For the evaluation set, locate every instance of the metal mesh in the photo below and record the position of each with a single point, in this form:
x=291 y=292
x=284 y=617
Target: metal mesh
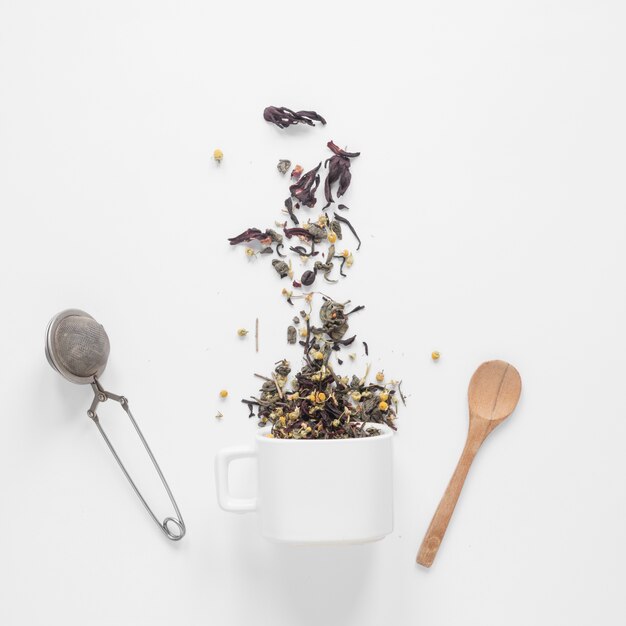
x=81 y=345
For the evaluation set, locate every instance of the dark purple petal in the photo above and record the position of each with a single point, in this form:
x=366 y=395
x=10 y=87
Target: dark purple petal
x=284 y=117
x=298 y=232
x=339 y=152
x=304 y=190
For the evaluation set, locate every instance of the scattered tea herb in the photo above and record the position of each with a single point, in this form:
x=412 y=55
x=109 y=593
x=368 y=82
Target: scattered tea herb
x=283 y=166
x=296 y=172
x=292 y=335
x=219 y=415
x=304 y=190
x=367 y=350
x=317 y=236
x=284 y=117
x=335 y=227
x=338 y=171
x=318 y=403
x=218 y=155
x=343 y=207
x=343 y=220
x=242 y=332
x=256 y=334
x=281 y=268
x=223 y=393
x=402 y=397
x=252 y=234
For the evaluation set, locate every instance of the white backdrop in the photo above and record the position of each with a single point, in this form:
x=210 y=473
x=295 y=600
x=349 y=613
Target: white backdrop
x=490 y=198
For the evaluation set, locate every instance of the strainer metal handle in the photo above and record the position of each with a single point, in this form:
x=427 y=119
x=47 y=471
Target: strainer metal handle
x=100 y=395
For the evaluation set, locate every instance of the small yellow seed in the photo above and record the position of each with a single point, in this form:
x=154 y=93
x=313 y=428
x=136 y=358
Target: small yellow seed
x=250 y=252
x=383 y=406
x=242 y=332
x=321 y=396
x=435 y=355
x=318 y=356
x=303 y=332
x=332 y=237
x=346 y=253
x=223 y=393
x=218 y=155
x=312 y=397
x=384 y=396
x=380 y=377
x=356 y=396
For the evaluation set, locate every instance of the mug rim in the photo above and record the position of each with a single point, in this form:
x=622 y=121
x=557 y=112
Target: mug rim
x=387 y=433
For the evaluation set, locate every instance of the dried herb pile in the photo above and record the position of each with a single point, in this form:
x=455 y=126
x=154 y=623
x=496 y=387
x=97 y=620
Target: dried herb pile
x=314 y=241
x=317 y=402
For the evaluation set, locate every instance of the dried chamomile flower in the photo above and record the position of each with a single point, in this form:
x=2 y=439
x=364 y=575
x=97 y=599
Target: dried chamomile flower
x=218 y=155
x=223 y=393
x=242 y=332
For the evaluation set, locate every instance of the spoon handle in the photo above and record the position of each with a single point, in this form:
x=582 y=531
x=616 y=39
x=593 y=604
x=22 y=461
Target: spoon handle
x=441 y=518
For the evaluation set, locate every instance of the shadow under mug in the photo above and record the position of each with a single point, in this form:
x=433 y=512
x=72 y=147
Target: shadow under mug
x=316 y=491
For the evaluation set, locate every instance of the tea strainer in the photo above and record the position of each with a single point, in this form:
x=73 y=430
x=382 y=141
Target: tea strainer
x=78 y=348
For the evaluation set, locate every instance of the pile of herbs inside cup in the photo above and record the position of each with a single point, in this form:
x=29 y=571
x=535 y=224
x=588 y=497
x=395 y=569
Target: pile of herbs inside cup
x=317 y=402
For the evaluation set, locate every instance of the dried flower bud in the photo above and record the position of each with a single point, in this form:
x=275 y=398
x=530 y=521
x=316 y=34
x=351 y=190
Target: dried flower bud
x=242 y=332
x=218 y=155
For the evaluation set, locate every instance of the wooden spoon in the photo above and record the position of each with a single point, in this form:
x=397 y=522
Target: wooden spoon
x=493 y=394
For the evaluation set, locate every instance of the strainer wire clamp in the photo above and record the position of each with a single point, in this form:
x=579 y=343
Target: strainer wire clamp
x=100 y=395
x=78 y=348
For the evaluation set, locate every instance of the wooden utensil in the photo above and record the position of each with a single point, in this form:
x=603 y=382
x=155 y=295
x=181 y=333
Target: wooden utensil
x=493 y=393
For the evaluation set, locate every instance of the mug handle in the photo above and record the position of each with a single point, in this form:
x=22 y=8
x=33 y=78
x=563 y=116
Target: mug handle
x=224 y=498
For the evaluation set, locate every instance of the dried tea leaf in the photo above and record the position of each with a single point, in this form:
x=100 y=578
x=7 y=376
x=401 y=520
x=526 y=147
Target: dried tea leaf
x=283 y=166
x=292 y=335
x=281 y=267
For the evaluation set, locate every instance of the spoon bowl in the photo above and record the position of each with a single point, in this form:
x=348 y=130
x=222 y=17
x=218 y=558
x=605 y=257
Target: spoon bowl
x=494 y=391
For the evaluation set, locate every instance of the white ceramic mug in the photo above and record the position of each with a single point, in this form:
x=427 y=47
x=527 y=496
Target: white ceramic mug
x=316 y=491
